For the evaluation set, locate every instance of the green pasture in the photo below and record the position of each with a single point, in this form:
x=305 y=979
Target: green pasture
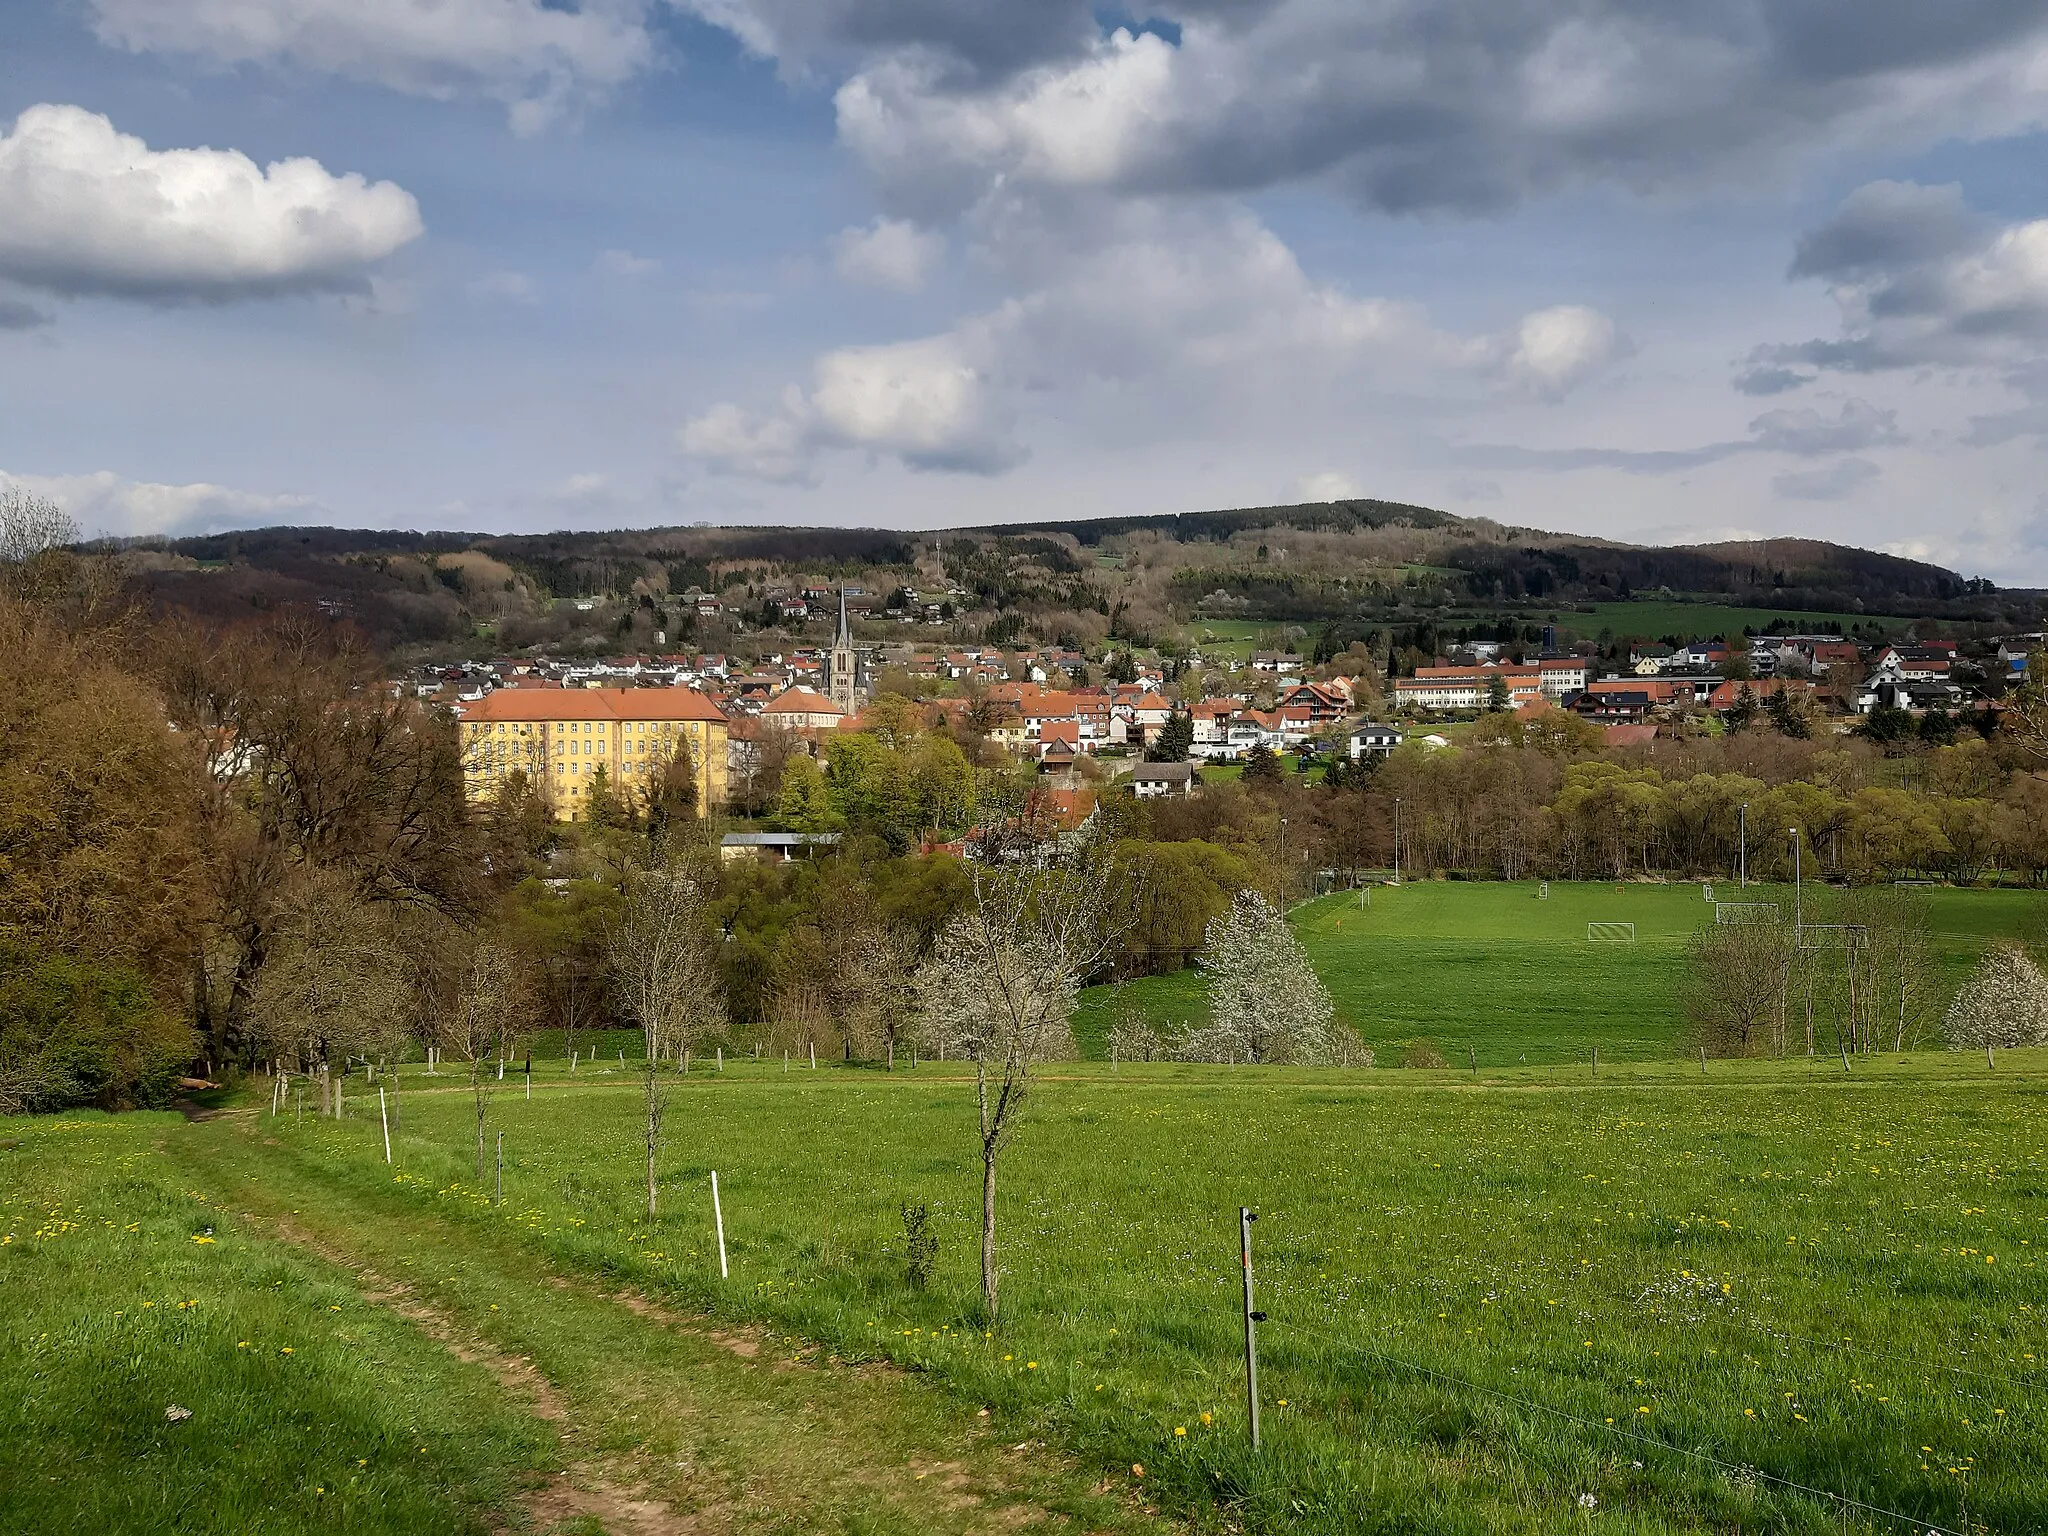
x=1488 y=967
x=1708 y=1302
x=124 y=1294
x=1652 y=620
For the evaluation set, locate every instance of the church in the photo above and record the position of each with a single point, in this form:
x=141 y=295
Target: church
x=846 y=668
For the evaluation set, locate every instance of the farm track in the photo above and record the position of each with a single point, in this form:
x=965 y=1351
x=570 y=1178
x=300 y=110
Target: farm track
x=668 y=1424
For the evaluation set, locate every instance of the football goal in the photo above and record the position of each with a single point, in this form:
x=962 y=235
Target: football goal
x=1730 y=913
x=1610 y=933
x=1828 y=935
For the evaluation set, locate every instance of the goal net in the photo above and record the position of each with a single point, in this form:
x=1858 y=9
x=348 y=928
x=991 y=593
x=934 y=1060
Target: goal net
x=1610 y=933
x=1729 y=913
x=1829 y=935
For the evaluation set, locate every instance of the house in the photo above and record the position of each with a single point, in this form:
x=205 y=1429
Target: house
x=774 y=847
x=1373 y=741
x=1149 y=781
x=803 y=709
x=1275 y=661
x=1325 y=704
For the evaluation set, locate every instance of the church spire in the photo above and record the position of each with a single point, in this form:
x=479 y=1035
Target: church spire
x=845 y=640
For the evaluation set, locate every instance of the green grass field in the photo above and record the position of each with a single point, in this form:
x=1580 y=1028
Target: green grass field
x=1677 y=1294
x=1652 y=620
x=1488 y=968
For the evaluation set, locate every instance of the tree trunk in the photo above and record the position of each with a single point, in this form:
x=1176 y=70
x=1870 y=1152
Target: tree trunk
x=477 y=1083
x=988 y=1229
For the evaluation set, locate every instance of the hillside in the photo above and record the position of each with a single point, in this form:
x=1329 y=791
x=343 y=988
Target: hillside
x=1344 y=567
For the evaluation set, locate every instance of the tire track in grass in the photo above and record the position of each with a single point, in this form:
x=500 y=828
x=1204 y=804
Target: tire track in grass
x=670 y=1423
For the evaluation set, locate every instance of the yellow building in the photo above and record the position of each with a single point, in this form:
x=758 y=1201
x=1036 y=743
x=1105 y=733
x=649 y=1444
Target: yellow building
x=560 y=737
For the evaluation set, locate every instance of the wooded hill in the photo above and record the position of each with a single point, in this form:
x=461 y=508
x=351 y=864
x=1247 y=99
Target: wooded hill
x=1343 y=563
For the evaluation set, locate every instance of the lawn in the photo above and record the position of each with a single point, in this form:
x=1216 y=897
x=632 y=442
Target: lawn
x=1489 y=968
x=1675 y=1294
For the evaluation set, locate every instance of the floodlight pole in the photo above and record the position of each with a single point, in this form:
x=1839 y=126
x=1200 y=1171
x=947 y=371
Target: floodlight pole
x=1397 y=839
x=1742 y=848
x=1798 y=910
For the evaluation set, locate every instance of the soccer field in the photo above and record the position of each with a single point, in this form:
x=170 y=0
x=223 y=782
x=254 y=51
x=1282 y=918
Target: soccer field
x=1492 y=968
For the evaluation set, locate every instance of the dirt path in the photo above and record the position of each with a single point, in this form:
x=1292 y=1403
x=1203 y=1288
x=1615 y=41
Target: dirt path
x=667 y=1423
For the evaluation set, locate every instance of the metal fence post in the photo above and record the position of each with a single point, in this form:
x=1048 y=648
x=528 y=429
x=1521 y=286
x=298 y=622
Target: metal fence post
x=1245 y=1218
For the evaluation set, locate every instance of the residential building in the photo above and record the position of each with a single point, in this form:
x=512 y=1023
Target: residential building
x=561 y=737
x=1374 y=741
x=803 y=709
x=1150 y=781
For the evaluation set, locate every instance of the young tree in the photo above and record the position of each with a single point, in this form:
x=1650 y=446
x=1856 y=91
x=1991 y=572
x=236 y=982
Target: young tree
x=999 y=988
x=1788 y=714
x=1262 y=765
x=478 y=1020
x=1266 y=1003
x=664 y=971
x=1498 y=699
x=2004 y=1003
x=1738 y=984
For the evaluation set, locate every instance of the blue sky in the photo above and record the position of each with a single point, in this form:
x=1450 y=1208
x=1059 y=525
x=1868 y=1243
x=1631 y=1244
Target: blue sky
x=1650 y=270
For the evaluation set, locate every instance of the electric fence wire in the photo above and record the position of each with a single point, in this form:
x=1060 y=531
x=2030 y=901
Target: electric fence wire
x=1738 y=1469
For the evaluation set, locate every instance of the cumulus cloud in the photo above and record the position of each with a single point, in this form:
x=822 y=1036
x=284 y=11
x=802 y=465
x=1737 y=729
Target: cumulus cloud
x=1404 y=104
x=107 y=505
x=1192 y=309
x=1921 y=281
x=1557 y=348
x=94 y=211
x=535 y=57
x=889 y=253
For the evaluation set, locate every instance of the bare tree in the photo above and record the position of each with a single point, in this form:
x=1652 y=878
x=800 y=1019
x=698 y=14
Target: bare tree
x=478 y=1023
x=1738 y=984
x=1000 y=985
x=31 y=526
x=665 y=976
x=336 y=981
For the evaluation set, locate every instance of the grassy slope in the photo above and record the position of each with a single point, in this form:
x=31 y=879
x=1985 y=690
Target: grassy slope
x=310 y=1409
x=1488 y=967
x=1786 y=1266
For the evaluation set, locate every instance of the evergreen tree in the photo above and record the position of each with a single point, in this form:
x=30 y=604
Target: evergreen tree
x=1743 y=712
x=1262 y=765
x=602 y=805
x=1787 y=716
x=1174 y=740
x=1497 y=698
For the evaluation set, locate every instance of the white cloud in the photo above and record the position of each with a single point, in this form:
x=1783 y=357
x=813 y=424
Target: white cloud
x=889 y=253
x=93 y=211
x=105 y=504
x=533 y=56
x=1404 y=104
x=1557 y=348
x=1327 y=486
x=1920 y=281
x=626 y=264
x=1195 y=314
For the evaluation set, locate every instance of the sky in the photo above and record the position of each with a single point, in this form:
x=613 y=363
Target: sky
x=1659 y=270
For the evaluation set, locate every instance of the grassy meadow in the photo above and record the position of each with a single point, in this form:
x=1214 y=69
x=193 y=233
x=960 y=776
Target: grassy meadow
x=1766 y=1295
x=1490 y=1297
x=1488 y=967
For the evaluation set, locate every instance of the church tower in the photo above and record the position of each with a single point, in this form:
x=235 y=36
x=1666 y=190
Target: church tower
x=843 y=670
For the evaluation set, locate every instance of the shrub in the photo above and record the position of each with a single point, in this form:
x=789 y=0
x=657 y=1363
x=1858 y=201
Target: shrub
x=75 y=1033
x=2004 y=1003
x=920 y=1245
x=1423 y=1053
